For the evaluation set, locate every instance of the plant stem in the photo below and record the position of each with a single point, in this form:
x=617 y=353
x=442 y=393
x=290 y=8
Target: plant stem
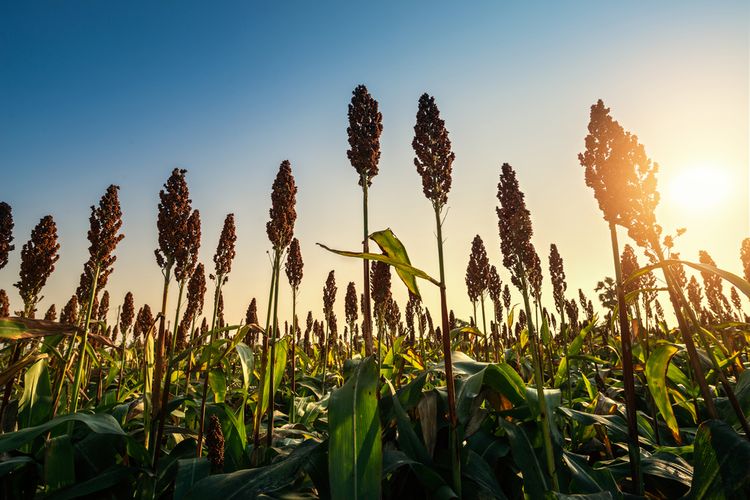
x=627 y=369
x=455 y=452
x=202 y=421
x=272 y=355
x=539 y=382
x=82 y=356
x=367 y=323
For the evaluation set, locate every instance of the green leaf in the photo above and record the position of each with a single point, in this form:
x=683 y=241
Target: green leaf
x=278 y=373
x=35 y=406
x=96 y=484
x=721 y=462
x=101 y=423
x=254 y=483
x=433 y=483
x=218 y=382
x=407 y=438
x=573 y=350
x=354 y=450
x=393 y=248
x=59 y=463
x=189 y=472
x=586 y=479
x=656 y=376
x=534 y=480
x=407 y=268
x=247 y=360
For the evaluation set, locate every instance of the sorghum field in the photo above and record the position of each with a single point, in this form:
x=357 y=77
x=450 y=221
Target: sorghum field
x=543 y=397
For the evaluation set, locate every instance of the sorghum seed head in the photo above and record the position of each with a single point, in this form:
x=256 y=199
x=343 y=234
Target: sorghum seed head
x=215 y=444
x=432 y=147
x=38 y=258
x=365 y=127
x=69 y=315
x=477 y=271
x=4 y=304
x=174 y=212
x=294 y=265
x=280 y=228
x=6 y=233
x=225 y=251
x=622 y=176
x=350 y=303
x=557 y=276
x=127 y=314
x=329 y=296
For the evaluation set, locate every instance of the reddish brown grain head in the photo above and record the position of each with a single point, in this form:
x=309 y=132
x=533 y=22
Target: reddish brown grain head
x=127 y=313
x=172 y=221
x=294 y=265
x=478 y=270
x=215 y=444
x=225 y=250
x=38 y=258
x=280 y=228
x=514 y=223
x=4 y=304
x=329 y=296
x=432 y=147
x=6 y=233
x=557 y=276
x=365 y=127
x=350 y=303
x=69 y=314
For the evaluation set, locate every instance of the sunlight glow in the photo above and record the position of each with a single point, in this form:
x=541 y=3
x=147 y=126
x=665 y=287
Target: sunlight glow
x=699 y=188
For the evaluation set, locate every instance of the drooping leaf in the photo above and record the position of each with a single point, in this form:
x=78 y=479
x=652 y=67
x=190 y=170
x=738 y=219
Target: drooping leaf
x=534 y=480
x=722 y=462
x=59 y=463
x=354 y=450
x=35 y=406
x=189 y=472
x=407 y=268
x=656 y=376
x=393 y=248
x=261 y=481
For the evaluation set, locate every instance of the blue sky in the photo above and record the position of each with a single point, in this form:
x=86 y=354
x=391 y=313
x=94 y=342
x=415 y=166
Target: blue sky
x=93 y=93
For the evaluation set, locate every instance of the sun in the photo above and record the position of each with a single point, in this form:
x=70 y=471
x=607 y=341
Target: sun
x=699 y=189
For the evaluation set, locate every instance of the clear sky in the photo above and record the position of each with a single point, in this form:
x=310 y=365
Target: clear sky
x=94 y=93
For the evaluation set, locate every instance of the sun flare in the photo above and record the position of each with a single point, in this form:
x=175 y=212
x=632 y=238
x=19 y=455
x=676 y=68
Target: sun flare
x=699 y=188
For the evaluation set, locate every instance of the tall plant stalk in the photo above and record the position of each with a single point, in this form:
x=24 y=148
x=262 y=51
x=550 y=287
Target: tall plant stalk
x=628 y=375
x=272 y=352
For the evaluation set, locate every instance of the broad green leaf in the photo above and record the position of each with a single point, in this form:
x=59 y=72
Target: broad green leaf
x=573 y=350
x=432 y=482
x=407 y=438
x=393 y=248
x=189 y=472
x=586 y=479
x=534 y=480
x=35 y=406
x=354 y=449
x=247 y=360
x=59 y=463
x=218 y=382
x=407 y=268
x=278 y=373
x=100 y=423
x=255 y=483
x=721 y=462
x=107 y=479
x=656 y=376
